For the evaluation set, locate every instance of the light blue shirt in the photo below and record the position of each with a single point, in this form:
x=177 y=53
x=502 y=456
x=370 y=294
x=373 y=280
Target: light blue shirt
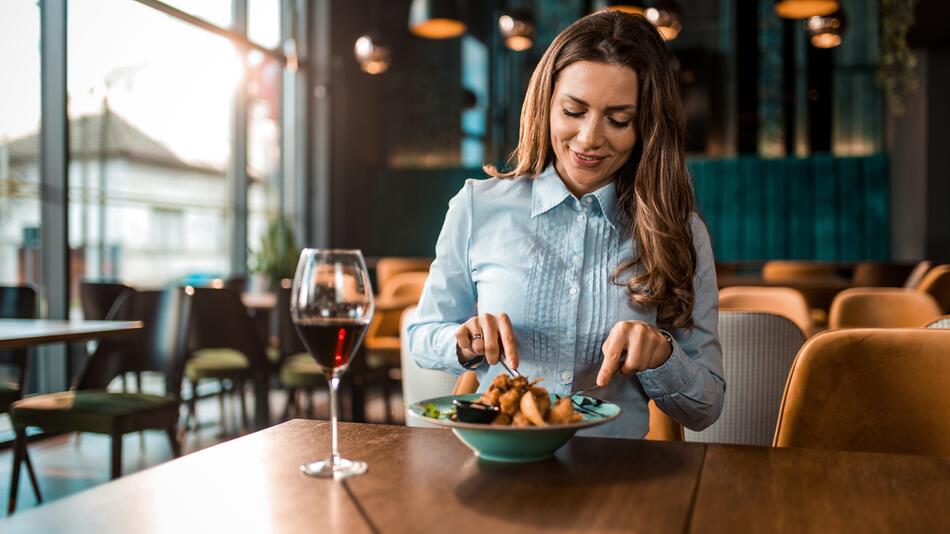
x=531 y=249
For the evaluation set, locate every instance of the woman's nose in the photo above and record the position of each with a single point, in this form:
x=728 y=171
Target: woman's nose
x=589 y=135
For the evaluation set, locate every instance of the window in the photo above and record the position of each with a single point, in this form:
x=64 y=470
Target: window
x=263 y=145
x=263 y=22
x=19 y=150
x=150 y=129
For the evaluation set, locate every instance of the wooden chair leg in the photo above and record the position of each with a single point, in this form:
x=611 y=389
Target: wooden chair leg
x=18 y=448
x=30 y=472
x=116 y=454
x=193 y=407
x=223 y=417
x=289 y=405
x=173 y=440
x=311 y=408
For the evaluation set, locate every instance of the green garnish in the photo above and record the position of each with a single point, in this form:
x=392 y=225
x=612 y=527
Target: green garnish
x=429 y=410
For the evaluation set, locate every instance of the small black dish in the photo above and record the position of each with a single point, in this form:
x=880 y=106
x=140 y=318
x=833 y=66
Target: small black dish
x=474 y=412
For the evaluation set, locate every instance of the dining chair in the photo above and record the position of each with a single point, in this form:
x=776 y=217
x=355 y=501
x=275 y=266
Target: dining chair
x=17 y=302
x=873 y=390
x=784 y=301
x=225 y=347
x=798 y=270
x=936 y=283
x=386 y=268
x=917 y=275
x=299 y=372
x=757 y=352
x=382 y=342
x=96 y=299
x=881 y=307
x=881 y=274
x=942 y=322
x=90 y=407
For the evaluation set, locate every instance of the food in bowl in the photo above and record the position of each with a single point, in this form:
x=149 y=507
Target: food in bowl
x=521 y=403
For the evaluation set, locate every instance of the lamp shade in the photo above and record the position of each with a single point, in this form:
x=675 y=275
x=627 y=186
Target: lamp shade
x=665 y=15
x=436 y=19
x=826 y=31
x=517 y=30
x=629 y=6
x=802 y=9
x=373 y=57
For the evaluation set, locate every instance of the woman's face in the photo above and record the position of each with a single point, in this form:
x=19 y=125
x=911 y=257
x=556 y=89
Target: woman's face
x=593 y=126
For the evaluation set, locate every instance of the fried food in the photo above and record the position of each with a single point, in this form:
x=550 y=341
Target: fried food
x=525 y=404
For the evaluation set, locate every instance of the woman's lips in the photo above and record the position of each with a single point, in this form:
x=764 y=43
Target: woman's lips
x=587 y=160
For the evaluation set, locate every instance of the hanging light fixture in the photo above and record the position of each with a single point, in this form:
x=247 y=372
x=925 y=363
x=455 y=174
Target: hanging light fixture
x=517 y=29
x=665 y=15
x=802 y=9
x=826 y=31
x=630 y=6
x=373 y=57
x=436 y=19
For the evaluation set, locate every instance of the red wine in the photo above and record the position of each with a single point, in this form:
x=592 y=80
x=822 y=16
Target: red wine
x=332 y=342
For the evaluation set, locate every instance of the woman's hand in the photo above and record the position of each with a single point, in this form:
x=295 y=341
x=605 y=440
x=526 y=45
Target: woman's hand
x=488 y=335
x=644 y=346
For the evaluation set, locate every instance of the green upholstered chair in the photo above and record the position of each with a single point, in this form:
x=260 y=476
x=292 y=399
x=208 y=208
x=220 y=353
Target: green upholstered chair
x=225 y=347
x=16 y=302
x=89 y=407
x=299 y=373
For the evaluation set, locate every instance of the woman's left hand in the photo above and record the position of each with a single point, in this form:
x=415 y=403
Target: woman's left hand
x=644 y=346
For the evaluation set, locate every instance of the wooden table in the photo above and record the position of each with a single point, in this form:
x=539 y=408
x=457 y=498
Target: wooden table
x=425 y=480
x=28 y=332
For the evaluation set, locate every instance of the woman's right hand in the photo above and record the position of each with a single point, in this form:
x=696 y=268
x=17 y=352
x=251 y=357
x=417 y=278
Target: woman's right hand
x=490 y=336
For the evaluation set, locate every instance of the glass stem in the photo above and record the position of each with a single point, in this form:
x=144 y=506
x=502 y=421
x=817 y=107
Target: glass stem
x=334 y=442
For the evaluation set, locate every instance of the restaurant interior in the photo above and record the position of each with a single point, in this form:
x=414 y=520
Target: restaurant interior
x=163 y=163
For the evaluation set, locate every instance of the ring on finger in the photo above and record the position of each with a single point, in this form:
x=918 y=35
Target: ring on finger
x=476 y=336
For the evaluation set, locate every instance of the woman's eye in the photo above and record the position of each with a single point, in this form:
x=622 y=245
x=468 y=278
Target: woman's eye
x=574 y=114
x=618 y=124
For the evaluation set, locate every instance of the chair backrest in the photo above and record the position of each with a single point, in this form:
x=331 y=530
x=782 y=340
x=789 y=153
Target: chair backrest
x=936 y=283
x=418 y=383
x=881 y=307
x=798 y=270
x=289 y=339
x=97 y=298
x=220 y=321
x=942 y=322
x=402 y=290
x=881 y=274
x=757 y=352
x=784 y=301
x=386 y=268
x=876 y=390
x=917 y=275
x=161 y=344
x=17 y=302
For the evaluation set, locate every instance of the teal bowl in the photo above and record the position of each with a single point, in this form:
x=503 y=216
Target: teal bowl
x=512 y=444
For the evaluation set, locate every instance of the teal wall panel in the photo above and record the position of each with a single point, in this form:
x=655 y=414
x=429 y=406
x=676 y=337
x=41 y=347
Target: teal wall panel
x=822 y=207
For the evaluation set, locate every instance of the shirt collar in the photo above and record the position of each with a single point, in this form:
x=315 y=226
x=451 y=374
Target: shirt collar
x=549 y=191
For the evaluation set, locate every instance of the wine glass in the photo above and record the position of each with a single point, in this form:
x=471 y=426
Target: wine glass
x=332 y=304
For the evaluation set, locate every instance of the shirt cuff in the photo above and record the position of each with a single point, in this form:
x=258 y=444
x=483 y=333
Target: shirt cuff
x=448 y=350
x=671 y=377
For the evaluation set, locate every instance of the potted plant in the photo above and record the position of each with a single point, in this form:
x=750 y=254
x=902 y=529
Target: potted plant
x=277 y=257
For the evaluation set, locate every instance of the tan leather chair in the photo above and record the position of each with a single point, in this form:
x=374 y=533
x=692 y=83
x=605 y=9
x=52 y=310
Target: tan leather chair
x=917 y=275
x=937 y=284
x=876 y=390
x=387 y=268
x=881 y=274
x=881 y=307
x=797 y=270
x=784 y=301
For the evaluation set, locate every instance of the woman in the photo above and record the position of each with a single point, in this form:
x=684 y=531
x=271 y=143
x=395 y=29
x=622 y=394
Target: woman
x=586 y=263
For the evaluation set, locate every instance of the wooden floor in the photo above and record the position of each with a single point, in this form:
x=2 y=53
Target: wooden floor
x=68 y=464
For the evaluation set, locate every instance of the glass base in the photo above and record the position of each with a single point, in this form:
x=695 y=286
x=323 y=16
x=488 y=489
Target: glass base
x=326 y=469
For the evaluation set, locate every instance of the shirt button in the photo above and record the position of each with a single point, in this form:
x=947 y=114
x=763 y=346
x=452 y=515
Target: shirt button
x=589 y=200
x=577 y=259
x=565 y=376
x=573 y=291
x=580 y=218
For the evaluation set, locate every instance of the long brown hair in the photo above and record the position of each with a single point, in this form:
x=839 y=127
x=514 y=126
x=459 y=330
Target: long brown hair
x=654 y=189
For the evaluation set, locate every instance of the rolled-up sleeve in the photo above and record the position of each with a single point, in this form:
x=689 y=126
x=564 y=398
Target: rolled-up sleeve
x=689 y=386
x=448 y=299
